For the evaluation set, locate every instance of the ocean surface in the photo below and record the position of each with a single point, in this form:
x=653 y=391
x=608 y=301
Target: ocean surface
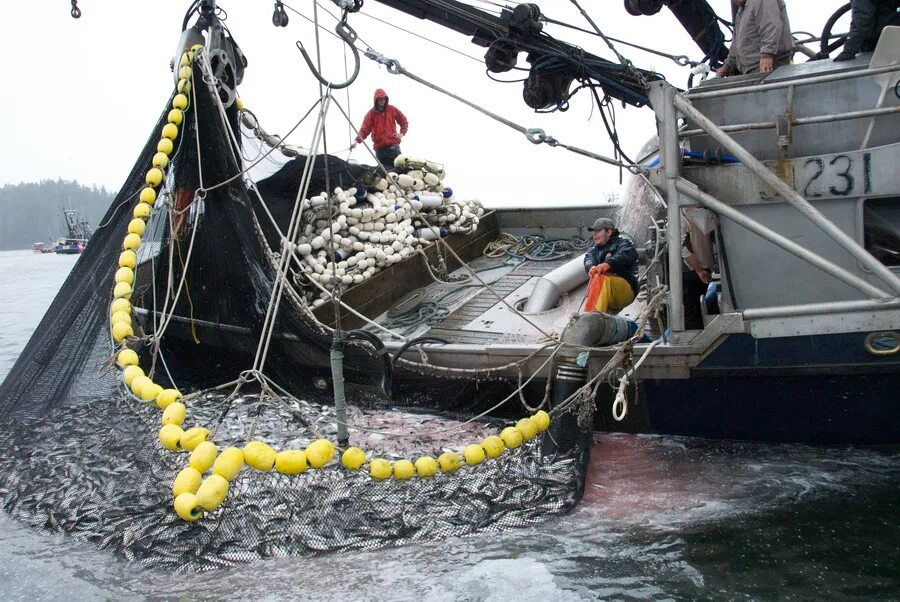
x=662 y=518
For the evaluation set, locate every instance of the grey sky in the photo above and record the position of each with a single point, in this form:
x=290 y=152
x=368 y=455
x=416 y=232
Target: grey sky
x=80 y=96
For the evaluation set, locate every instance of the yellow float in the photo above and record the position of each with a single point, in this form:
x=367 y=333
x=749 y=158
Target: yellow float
x=212 y=492
x=175 y=413
x=380 y=469
x=403 y=469
x=187 y=481
x=291 y=461
x=229 y=463
x=259 y=456
x=353 y=458
x=193 y=437
x=203 y=456
x=449 y=462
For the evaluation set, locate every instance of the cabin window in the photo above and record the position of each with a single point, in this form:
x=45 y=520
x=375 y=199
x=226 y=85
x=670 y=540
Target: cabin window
x=881 y=229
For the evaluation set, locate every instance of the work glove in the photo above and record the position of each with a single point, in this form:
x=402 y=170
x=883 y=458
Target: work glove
x=603 y=268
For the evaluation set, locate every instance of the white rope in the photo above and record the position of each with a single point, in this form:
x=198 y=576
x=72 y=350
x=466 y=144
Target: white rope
x=275 y=300
x=620 y=405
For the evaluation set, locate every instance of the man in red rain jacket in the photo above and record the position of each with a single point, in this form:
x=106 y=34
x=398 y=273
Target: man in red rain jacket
x=381 y=122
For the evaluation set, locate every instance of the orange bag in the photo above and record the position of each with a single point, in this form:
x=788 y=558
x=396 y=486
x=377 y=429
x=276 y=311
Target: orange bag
x=595 y=287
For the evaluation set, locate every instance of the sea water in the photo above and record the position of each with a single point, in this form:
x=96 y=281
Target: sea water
x=662 y=518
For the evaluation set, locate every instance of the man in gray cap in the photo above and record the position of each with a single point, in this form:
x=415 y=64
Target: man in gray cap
x=612 y=265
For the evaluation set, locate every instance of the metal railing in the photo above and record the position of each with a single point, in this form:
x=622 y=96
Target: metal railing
x=818 y=79
x=667 y=105
x=771 y=125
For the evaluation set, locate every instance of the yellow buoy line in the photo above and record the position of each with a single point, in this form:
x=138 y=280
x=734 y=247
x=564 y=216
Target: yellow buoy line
x=193 y=493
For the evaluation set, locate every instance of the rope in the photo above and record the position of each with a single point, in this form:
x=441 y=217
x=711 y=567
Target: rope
x=620 y=405
x=534 y=135
x=535 y=247
x=278 y=285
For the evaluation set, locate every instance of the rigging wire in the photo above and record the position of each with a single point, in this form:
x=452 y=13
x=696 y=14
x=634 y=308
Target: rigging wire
x=679 y=59
x=496 y=5
x=421 y=37
x=622 y=60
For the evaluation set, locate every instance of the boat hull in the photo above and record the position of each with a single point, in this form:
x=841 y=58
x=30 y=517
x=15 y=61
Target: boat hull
x=807 y=389
x=819 y=389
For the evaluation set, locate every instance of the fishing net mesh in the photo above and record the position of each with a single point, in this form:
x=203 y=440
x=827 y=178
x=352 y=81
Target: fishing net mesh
x=81 y=455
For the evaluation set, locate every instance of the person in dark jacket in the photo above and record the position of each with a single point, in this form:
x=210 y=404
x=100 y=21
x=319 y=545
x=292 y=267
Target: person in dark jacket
x=869 y=17
x=612 y=264
x=382 y=121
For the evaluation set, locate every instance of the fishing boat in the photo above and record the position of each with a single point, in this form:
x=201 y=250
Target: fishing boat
x=42 y=247
x=78 y=234
x=227 y=301
x=816 y=328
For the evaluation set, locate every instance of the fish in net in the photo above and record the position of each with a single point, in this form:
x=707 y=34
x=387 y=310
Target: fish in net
x=86 y=453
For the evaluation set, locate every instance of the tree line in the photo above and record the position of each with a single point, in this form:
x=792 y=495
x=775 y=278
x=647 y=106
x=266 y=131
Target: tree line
x=33 y=212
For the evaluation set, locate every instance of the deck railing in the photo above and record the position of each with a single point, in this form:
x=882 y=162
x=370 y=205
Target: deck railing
x=668 y=104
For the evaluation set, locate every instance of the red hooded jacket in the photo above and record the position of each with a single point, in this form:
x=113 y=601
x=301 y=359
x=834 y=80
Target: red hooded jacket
x=382 y=124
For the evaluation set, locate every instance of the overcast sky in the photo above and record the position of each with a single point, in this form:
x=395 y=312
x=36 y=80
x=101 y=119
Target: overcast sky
x=79 y=96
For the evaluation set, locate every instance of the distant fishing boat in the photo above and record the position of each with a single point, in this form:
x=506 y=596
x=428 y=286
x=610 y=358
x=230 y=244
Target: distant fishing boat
x=42 y=247
x=79 y=233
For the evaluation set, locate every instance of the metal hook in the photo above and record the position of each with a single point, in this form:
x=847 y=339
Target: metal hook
x=346 y=33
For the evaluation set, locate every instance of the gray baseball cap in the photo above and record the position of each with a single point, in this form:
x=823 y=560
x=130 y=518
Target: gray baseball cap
x=602 y=223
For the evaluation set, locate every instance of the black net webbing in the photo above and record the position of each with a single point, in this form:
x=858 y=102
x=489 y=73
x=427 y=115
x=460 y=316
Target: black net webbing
x=71 y=339
x=80 y=455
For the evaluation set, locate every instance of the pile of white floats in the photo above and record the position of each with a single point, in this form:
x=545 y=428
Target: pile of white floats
x=370 y=230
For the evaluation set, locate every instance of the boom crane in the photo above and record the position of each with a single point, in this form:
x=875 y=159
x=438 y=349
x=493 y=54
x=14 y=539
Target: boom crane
x=554 y=65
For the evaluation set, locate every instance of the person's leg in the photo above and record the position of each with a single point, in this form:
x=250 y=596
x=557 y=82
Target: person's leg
x=615 y=295
x=861 y=26
x=712 y=299
x=387 y=155
x=694 y=289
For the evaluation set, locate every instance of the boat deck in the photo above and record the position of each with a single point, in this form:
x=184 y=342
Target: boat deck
x=454 y=326
x=470 y=313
